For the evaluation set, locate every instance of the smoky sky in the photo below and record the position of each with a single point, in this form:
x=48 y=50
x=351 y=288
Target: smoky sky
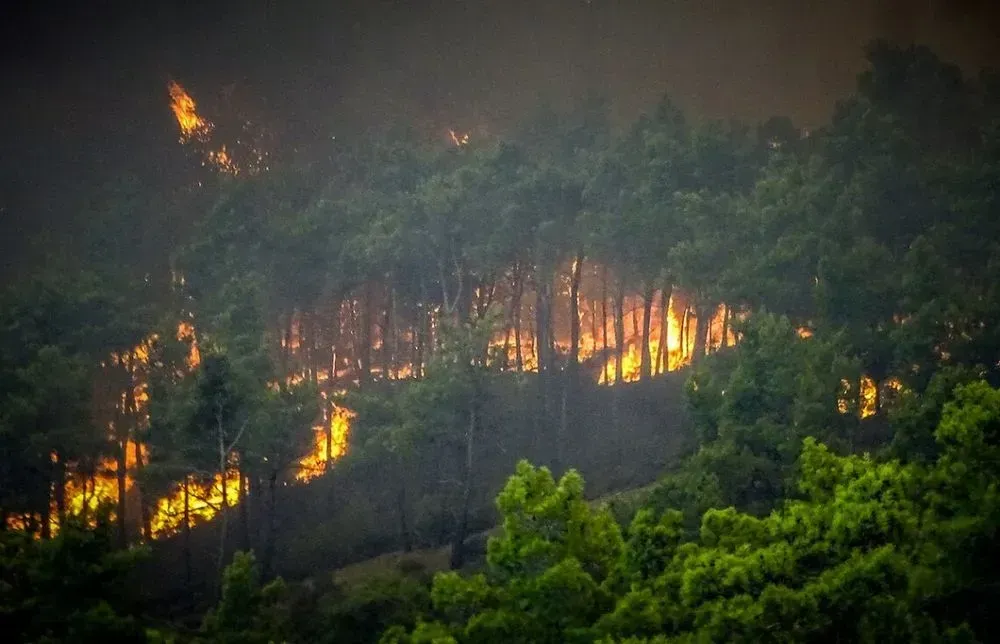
x=85 y=97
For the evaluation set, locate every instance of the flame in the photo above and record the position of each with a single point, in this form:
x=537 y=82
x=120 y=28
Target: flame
x=316 y=463
x=867 y=395
x=671 y=346
x=193 y=127
x=458 y=139
x=204 y=501
x=185 y=333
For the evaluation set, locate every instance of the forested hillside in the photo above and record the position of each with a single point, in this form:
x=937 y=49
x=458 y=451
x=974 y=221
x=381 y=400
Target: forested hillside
x=212 y=398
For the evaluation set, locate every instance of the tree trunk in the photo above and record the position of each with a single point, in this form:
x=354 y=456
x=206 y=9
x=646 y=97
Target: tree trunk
x=604 y=320
x=543 y=343
x=244 y=508
x=147 y=530
x=224 y=509
x=458 y=540
x=187 y=530
x=516 y=310
x=686 y=332
x=385 y=336
x=646 y=365
x=593 y=325
x=635 y=323
x=420 y=339
x=570 y=384
x=663 y=347
x=286 y=345
x=365 y=340
x=703 y=322
x=725 y=326
x=121 y=475
x=574 y=317
x=619 y=312
x=47 y=513
x=59 y=489
x=619 y=306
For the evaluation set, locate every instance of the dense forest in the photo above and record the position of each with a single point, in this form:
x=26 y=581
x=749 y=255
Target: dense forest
x=197 y=380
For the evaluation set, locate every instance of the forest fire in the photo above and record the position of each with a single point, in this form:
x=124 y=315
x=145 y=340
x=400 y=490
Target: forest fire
x=661 y=326
x=328 y=446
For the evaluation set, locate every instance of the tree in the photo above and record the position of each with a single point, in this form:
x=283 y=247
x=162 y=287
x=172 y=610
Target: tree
x=248 y=612
x=868 y=550
x=72 y=587
x=545 y=570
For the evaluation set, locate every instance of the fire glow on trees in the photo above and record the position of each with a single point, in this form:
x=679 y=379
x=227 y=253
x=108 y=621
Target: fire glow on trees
x=328 y=350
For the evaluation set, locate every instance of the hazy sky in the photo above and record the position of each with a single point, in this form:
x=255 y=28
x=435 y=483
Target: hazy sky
x=85 y=91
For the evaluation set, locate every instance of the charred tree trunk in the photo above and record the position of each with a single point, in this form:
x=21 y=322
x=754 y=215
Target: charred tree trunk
x=121 y=474
x=574 y=317
x=703 y=323
x=619 y=306
x=328 y=434
x=663 y=348
x=244 y=508
x=619 y=311
x=593 y=324
x=543 y=342
x=635 y=323
x=59 y=489
x=604 y=319
x=646 y=364
x=516 y=317
x=384 y=336
x=46 y=512
x=365 y=341
x=187 y=530
x=420 y=340
x=147 y=530
x=286 y=345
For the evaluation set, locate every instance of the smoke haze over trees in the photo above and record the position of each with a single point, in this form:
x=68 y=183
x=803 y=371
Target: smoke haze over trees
x=354 y=282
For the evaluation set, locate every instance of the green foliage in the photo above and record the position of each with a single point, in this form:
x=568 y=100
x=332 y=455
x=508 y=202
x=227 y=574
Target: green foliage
x=248 y=612
x=752 y=407
x=871 y=551
x=71 y=588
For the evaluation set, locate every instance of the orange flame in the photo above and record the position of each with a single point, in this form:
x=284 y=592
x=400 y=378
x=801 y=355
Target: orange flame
x=192 y=125
x=458 y=139
x=194 y=128
x=317 y=462
x=203 y=500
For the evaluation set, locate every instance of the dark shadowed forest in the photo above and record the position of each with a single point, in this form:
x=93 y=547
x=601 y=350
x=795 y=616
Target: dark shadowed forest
x=682 y=380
